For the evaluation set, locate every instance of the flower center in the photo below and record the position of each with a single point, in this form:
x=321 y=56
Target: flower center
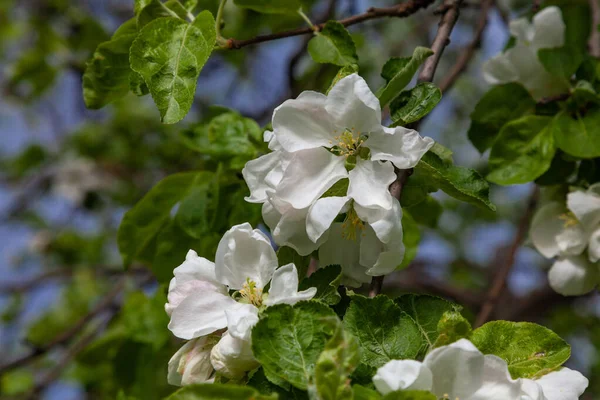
x=347 y=144
x=446 y=396
x=569 y=218
x=351 y=225
x=251 y=294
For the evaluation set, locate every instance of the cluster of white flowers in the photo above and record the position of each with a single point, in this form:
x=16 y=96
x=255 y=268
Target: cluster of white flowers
x=572 y=234
x=331 y=156
x=520 y=63
x=215 y=305
x=461 y=371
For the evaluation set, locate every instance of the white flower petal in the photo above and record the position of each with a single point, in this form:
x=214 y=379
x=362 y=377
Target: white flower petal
x=255 y=173
x=179 y=291
x=458 y=369
x=303 y=123
x=549 y=28
x=270 y=215
x=291 y=231
x=522 y=30
x=572 y=240
x=594 y=246
x=531 y=390
x=200 y=313
x=402 y=375
x=403 y=147
x=564 y=384
x=499 y=69
x=497 y=383
x=284 y=287
x=387 y=224
x=309 y=175
x=573 y=276
x=241 y=319
x=545 y=227
x=322 y=214
x=195 y=268
x=369 y=182
x=191 y=363
x=244 y=253
x=585 y=206
x=346 y=253
x=353 y=106
x=233 y=357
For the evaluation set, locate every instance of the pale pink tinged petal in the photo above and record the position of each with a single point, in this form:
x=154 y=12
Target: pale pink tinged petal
x=255 y=173
x=545 y=227
x=245 y=253
x=573 y=276
x=284 y=287
x=402 y=375
x=353 y=106
x=403 y=147
x=199 y=314
x=549 y=28
x=191 y=364
x=369 y=183
x=322 y=214
x=309 y=175
x=564 y=384
x=179 y=291
x=303 y=123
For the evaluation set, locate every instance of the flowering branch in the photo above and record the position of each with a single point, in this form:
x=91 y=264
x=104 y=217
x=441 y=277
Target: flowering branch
x=399 y=11
x=468 y=52
x=504 y=268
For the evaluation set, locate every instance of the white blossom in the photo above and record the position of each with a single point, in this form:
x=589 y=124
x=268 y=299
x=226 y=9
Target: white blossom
x=461 y=371
x=319 y=140
x=571 y=233
x=520 y=63
x=199 y=303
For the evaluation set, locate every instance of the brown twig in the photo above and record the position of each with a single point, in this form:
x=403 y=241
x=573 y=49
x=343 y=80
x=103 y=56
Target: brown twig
x=467 y=54
x=24 y=286
x=506 y=265
x=535 y=5
x=399 y=11
x=441 y=40
x=594 y=42
x=70 y=333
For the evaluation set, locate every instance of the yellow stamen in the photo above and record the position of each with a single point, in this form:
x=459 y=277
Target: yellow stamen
x=251 y=294
x=351 y=224
x=347 y=144
x=570 y=219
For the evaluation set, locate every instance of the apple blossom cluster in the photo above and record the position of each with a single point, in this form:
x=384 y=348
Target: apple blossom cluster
x=215 y=305
x=331 y=156
x=520 y=63
x=572 y=234
x=460 y=371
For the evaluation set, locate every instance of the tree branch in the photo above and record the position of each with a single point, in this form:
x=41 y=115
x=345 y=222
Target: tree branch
x=442 y=39
x=399 y=11
x=505 y=267
x=70 y=333
x=594 y=42
x=467 y=54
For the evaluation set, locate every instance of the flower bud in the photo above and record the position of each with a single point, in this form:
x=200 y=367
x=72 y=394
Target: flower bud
x=232 y=357
x=191 y=364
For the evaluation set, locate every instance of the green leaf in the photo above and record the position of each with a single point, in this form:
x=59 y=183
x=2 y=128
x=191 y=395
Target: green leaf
x=582 y=94
x=145 y=319
x=225 y=136
x=561 y=62
x=137 y=85
x=156 y=9
x=196 y=211
x=326 y=280
x=579 y=137
x=464 y=184
x=384 y=332
x=287 y=255
x=169 y=54
x=523 y=151
x=106 y=76
x=411 y=238
x=427 y=312
x=561 y=168
x=451 y=328
x=364 y=393
x=288 y=340
x=271 y=6
x=499 y=105
x=412 y=105
x=216 y=391
x=426 y=212
x=333 y=45
x=339 y=189
x=410 y=395
x=398 y=72
x=144 y=221
x=335 y=364
x=15 y=382
x=529 y=349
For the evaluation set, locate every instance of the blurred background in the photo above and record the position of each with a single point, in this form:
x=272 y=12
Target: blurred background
x=84 y=328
